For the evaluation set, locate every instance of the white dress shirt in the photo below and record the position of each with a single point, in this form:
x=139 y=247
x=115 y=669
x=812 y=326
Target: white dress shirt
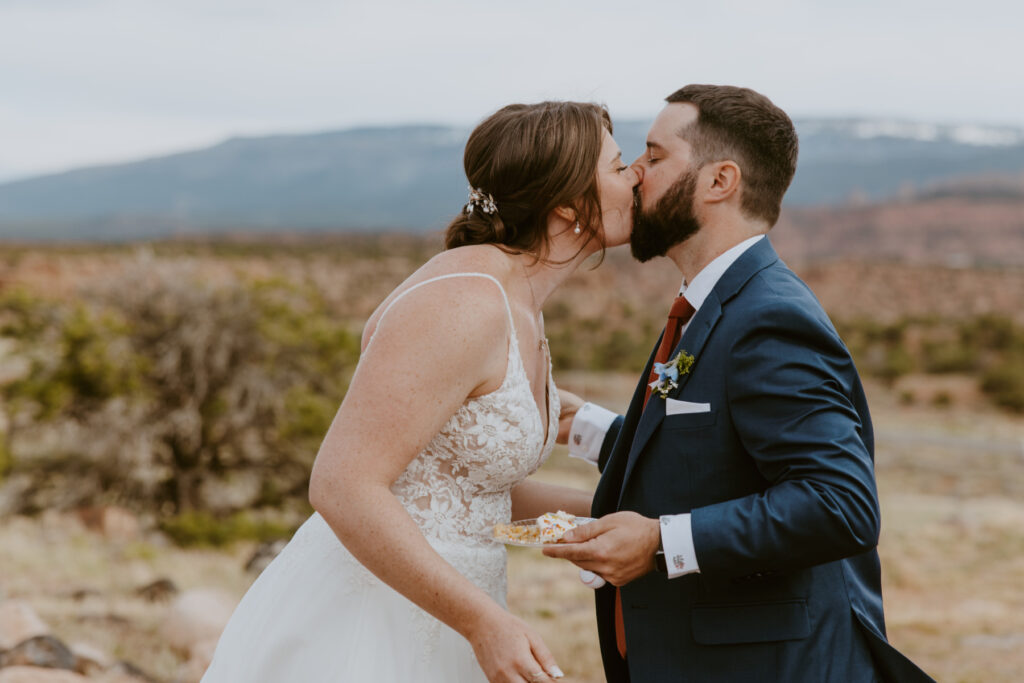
x=591 y=423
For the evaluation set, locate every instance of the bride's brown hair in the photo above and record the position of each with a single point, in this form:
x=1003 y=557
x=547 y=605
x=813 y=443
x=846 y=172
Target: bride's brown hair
x=531 y=159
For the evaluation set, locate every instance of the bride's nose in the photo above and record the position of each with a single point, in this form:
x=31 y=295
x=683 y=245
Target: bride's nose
x=638 y=170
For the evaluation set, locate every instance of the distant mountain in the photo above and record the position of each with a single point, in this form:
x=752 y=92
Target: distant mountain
x=410 y=178
x=860 y=160
x=7 y=174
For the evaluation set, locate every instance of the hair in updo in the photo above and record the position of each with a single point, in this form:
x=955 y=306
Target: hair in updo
x=533 y=158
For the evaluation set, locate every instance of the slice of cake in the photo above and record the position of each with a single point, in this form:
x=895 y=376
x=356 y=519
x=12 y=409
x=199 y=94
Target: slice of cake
x=553 y=525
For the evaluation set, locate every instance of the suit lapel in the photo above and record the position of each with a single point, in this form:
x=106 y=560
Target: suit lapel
x=752 y=261
x=607 y=492
x=692 y=342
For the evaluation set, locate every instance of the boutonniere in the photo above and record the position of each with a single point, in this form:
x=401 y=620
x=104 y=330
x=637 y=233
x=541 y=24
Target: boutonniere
x=668 y=373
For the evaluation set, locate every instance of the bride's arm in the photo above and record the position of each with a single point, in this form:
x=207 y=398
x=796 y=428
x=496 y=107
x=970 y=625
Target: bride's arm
x=534 y=498
x=435 y=348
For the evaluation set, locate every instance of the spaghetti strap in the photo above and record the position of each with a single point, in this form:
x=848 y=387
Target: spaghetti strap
x=508 y=307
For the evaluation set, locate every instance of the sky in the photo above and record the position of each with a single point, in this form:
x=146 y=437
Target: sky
x=86 y=82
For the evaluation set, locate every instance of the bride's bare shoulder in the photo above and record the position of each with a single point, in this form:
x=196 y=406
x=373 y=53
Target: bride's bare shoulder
x=449 y=284
x=481 y=258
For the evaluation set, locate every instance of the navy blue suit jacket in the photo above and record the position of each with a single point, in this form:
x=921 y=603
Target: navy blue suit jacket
x=779 y=480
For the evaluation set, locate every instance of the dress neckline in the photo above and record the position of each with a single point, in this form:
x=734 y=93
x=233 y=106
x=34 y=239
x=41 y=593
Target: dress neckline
x=544 y=414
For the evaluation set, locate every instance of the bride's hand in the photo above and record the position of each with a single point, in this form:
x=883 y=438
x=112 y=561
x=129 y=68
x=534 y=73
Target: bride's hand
x=571 y=403
x=509 y=651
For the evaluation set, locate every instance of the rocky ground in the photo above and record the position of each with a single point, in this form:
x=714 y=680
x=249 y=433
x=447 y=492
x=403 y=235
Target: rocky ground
x=101 y=599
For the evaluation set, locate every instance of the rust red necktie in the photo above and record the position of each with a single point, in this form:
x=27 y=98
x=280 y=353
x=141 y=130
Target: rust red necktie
x=678 y=315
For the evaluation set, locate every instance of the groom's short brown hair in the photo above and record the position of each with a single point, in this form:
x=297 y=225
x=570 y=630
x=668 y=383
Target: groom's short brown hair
x=744 y=126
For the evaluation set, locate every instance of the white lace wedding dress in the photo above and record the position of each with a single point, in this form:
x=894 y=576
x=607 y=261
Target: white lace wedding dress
x=316 y=614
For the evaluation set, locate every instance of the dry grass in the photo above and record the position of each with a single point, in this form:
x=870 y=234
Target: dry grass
x=952 y=548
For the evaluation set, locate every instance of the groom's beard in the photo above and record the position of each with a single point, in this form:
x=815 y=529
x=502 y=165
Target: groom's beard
x=671 y=221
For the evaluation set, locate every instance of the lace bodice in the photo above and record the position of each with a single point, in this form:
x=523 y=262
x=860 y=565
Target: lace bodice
x=459 y=486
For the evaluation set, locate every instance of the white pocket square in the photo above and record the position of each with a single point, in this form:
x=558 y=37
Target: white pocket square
x=674 y=407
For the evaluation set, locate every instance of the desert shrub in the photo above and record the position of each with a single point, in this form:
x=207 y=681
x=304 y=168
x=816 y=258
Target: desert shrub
x=620 y=339
x=887 y=363
x=1004 y=383
x=206 y=530
x=898 y=362
x=5 y=460
x=878 y=349
x=564 y=347
x=890 y=334
x=991 y=331
x=557 y=311
x=622 y=350
x=849 y=331
x=168 y=392
x=588 y=347
x=989 y=347
x=942 y=357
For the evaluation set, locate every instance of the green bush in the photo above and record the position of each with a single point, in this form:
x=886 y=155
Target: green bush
x=1004 y=383
x=5 y=457
x=944 y=357
x=158 y=389
x=898 y=362
x=620 y=350
x=203 y=529
x=988 y=347
x=991 y=331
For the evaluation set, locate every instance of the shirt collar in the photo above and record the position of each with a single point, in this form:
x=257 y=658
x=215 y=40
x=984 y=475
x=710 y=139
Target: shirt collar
x=697 y=291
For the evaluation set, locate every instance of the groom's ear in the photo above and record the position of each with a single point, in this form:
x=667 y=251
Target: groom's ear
x=722 y=181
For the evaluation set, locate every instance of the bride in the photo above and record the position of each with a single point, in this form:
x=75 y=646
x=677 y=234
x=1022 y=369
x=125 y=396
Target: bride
x=394 y=578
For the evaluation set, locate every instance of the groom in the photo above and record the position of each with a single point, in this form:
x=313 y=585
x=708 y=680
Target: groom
x=737 y=502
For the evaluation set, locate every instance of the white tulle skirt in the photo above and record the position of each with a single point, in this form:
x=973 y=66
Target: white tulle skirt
x=315 y=614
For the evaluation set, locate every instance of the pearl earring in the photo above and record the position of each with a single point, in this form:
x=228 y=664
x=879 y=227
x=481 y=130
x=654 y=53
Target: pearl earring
x=577 y=230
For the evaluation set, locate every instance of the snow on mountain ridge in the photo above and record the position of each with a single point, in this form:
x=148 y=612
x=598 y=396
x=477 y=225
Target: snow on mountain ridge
x=986 y=136
x=977 y=135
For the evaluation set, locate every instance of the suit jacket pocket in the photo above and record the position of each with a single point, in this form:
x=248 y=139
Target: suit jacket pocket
x=751 y=622
x=690 y=420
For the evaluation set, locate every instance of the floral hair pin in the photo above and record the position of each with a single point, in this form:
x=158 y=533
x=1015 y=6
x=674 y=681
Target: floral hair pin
x=481 y=199
x=669 y=372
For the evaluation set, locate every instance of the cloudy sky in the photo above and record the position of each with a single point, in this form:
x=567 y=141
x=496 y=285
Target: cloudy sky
x=98 y=81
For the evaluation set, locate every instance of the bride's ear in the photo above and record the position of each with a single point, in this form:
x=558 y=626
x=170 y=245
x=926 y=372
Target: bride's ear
x=566 y=213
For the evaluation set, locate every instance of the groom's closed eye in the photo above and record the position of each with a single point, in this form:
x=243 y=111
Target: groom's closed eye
x=652 y=148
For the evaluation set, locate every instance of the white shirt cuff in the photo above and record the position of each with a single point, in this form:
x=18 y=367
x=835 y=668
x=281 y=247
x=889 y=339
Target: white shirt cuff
x=677 y=542
x=589 y=426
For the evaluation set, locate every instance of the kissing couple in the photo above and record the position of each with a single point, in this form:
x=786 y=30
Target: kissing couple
x=737 y=511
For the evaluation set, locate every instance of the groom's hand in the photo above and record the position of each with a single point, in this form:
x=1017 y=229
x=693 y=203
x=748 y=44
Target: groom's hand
x=571 y=403
x=618 y=547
